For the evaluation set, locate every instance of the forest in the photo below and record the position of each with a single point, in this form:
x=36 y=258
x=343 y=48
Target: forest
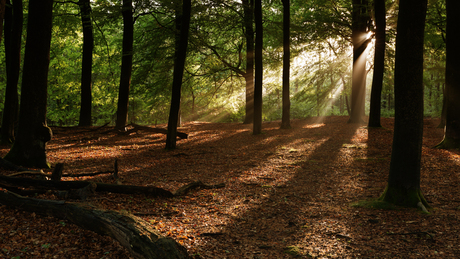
x=229 y=128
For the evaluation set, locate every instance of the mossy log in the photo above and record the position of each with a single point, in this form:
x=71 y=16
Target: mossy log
x=130 y=231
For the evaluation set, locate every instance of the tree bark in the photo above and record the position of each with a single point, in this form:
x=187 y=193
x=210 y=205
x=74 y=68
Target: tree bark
x=452 y=90
x=13 y=34
x=286 y=118
x=379 y=64
x=404 y=178
x=360 y=21
x=248 y=6
x=29 y=148
x=126 y=64
x=2 y=16
x=182 y=28
x=132 y=232
x=258 y=78
x=87 y=63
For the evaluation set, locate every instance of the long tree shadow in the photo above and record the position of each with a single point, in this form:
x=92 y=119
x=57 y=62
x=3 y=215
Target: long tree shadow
x=292 y=202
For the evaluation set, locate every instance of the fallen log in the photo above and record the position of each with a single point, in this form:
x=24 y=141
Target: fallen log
x=105 y=187
x=136 y=127
x=130 y=231
x=100 y=187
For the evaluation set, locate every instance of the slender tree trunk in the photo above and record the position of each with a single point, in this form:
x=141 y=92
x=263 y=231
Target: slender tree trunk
x=452 y=128
x=404 y=178
x=29 y=148
x=258 y=78
x=182 y=32
x=286 y=119
x=360 y=22
x=248 y=6
x=379 y=63
x=442 y=123
x=13 y=34
x=87 y=63
x=126 y=64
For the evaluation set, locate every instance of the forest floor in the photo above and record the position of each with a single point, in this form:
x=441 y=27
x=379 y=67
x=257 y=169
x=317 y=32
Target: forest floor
x=288 y=193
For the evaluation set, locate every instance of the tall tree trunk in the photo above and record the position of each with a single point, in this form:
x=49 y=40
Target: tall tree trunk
x=13 y=34
x=442 y=123
x=286 y=119
x=182 y=32
x=258 y=78
x=29 y=148
x=379 y=63
x=404 y=178
x=2 y=16
x=87 y=63
x=452 y=128
x=248 y=6
x=126 y=64
x=360 y=20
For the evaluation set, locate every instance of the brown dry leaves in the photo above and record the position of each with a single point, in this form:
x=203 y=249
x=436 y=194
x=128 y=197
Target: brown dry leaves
x=287 y=193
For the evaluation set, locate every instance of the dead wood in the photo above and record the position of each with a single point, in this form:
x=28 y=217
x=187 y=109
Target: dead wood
x=130 y=231
x=57 y=172
x=100 y=187
x=136 y=127
x=5 y=164
x=198 y=184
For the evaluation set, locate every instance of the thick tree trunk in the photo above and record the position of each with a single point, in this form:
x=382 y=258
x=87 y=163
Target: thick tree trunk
x=258 y=78
x=404 y=177
x=452 y=127
x=30 y=144
x=13 y=34
x=182 y=28
x=248 y=6
x=126 y=64
x=286 y=118
x=87 y=63
x=141 y=240
x=379 y=63
x=360 y=20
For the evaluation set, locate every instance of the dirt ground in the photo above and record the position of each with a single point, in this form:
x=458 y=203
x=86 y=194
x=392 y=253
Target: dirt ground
x=288 y=193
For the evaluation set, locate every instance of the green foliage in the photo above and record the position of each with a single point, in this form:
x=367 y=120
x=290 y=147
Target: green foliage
x=213 y=85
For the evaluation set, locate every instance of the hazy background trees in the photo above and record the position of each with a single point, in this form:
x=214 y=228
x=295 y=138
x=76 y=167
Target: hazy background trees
x=216 y=75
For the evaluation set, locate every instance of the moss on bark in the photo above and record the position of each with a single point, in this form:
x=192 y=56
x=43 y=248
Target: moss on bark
x=411 y=197
x=448 y=143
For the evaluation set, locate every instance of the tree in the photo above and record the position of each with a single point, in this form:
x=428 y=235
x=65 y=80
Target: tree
x=2 y=15
x=248 y=6
x=30 y=144
x=258 y=59
x=452 y=94
x=87 y=63
x=379 y=63
x=360 y=25
x=404 y=178
x=13 y=34
x=286 y=119
x=183 y=13
x=126 y=64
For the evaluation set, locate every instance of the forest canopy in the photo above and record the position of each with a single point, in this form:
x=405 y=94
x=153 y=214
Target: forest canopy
x=213 y=86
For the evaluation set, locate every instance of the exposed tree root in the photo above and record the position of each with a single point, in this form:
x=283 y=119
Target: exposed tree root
x=130 y=231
